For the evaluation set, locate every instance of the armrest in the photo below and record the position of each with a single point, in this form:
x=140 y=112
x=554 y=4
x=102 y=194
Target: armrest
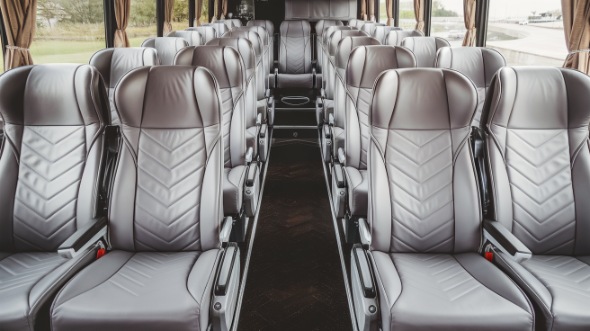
x=327 y=131
x=267 y=93
x=225 y=232
x=259 y=119
x=228 y=260
x=364 y=233
x=341 y=155
x=504 y=240
x=251 y=173
x=322 y=93
x=249 y=155
x=365 y=274
x=338 y=174
x=263 y=131
x=81 y=237
x=331 y=119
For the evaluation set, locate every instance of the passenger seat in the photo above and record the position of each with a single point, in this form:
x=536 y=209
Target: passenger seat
x=381 y=31
x=193 y=38
x=271 y=34
x=207 y=32
x=425 y=48
x=167 y=47
x=395 y=37
x=319 y=30
x=295 y=69
x=55 y=117
x=114 y=63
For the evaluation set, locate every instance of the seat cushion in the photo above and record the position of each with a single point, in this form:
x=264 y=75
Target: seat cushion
x=448 y=292
x=233 y=186
x=139 y=291
x=358 y=187
x=559 y=285
x=28 y=280
x=295 y=80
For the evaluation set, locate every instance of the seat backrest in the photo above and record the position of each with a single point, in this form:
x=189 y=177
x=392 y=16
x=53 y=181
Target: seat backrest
x=425 y=49
x=229 y=70
x=262 y=33
x=193 y=38
x=324 y=56
x=338 y=35
x=319 y=32
x=167 y=187
x=264 y=23
x=352 y=22
x=369 y=28
x=228 y=23
x=381 y=31
x=219 y=27
x=365 y=64
x=536 y=120
x=207 y=32
x=478 y=64
x=295 y=47
x=395 y=37
x=423 y=192
x=251 y=35
x=167 y=47
x=328 y=32
x=114 y=63
x=54 y=117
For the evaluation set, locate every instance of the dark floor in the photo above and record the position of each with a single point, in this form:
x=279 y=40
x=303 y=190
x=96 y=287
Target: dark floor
x=295 y=280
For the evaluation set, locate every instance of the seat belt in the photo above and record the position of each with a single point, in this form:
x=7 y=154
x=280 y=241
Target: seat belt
x=110 y=153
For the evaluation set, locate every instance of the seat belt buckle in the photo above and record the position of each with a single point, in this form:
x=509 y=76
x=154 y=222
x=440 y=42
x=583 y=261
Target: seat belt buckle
x=489 y=256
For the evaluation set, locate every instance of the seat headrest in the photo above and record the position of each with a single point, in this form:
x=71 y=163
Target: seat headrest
x=538 y=98
x=329 y=30
x=167 y=47
x=248 y=34
x=322 y=24
x=114 y=63
x=242 y=45
x=423 y=99
x=219 y=27
x=264 y=23
x=262 y=33
x=366 y=63
x=53 y=94
x=193 y=38
x=207 y=32
x=166 y=97
x=477 y=63
x=425 y=49
x=295 y=29
x=347 y=45
x=395 y=37
x=338 y=35
x=223 y=61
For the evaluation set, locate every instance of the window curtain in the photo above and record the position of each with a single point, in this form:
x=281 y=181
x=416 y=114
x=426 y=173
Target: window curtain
x=122 y=11
x=469 y=18
x=364 y=10
x=19 y=18
x=576 y=24
x=223 y=9
x=389 y=10
x=371 y=5
x=419 y=12
x=198 y=11
x=168 y=15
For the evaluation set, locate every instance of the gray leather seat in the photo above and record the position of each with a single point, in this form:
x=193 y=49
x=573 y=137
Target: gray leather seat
x=369 y=27
x=164 y=214
x=333 y=133
x=319 y=30
x=381 y=31
x=192 y=37
x=241 y=168
x=49 y=165
x=167 y=47
x=425 y=215
x=236 y=23
x=536 y=120
x=114 y=63
x=353 y=22
x=425 y=48
x=271 y=34
x=295 y=63
x=395 y=37
x=478 y=64
x=207 y=32
x=365 y=64
x=219 y=27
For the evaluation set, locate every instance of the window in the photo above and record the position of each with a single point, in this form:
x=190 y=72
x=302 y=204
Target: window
x=448 y=21
x=527 y=32
x=382 y=12
x=180 y=19
x=143 y=23
x=68 y=31
x=407 y=18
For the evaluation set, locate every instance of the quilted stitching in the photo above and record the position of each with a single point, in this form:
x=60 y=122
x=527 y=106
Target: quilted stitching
x=227 y=107
x=562 y=275
x=363 y=104
x=543 y=200
x=24 y=270
x=170 y=175
x=420 y=171
x=51 y=166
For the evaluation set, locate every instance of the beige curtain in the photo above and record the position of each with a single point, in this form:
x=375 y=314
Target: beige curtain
x=389 y=10
x=223 y=9
x=122 y=10
x=419 y=12
x=198 y=11
x=364 y=10
x=168 y=15
x=371 y=5
x=469 y=18
x=19 y=21
x=576 y=24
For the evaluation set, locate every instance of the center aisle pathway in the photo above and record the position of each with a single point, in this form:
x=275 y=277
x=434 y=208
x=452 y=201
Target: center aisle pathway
x=295 y=280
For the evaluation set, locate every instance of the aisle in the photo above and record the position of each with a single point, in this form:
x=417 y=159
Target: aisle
x=295 y=280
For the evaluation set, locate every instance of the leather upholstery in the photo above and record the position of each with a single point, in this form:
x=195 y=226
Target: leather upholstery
x=49 y=166
x=165 y=210
x=425 y=48
x=207 y=32
x=360 y=78
x=333 y=41
x=325 y=57
x=395 y=37
x=219 y=27
x=369 y=27
x=319 y=32
x=381 y=31
x=478 y=64
x=536 y=120
x=425 y=220
x=230 y=72
x=193 y=38
x=167 y=47
x=114 y=63
x=295 y=47
x=271 y=37
x=259 y=38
